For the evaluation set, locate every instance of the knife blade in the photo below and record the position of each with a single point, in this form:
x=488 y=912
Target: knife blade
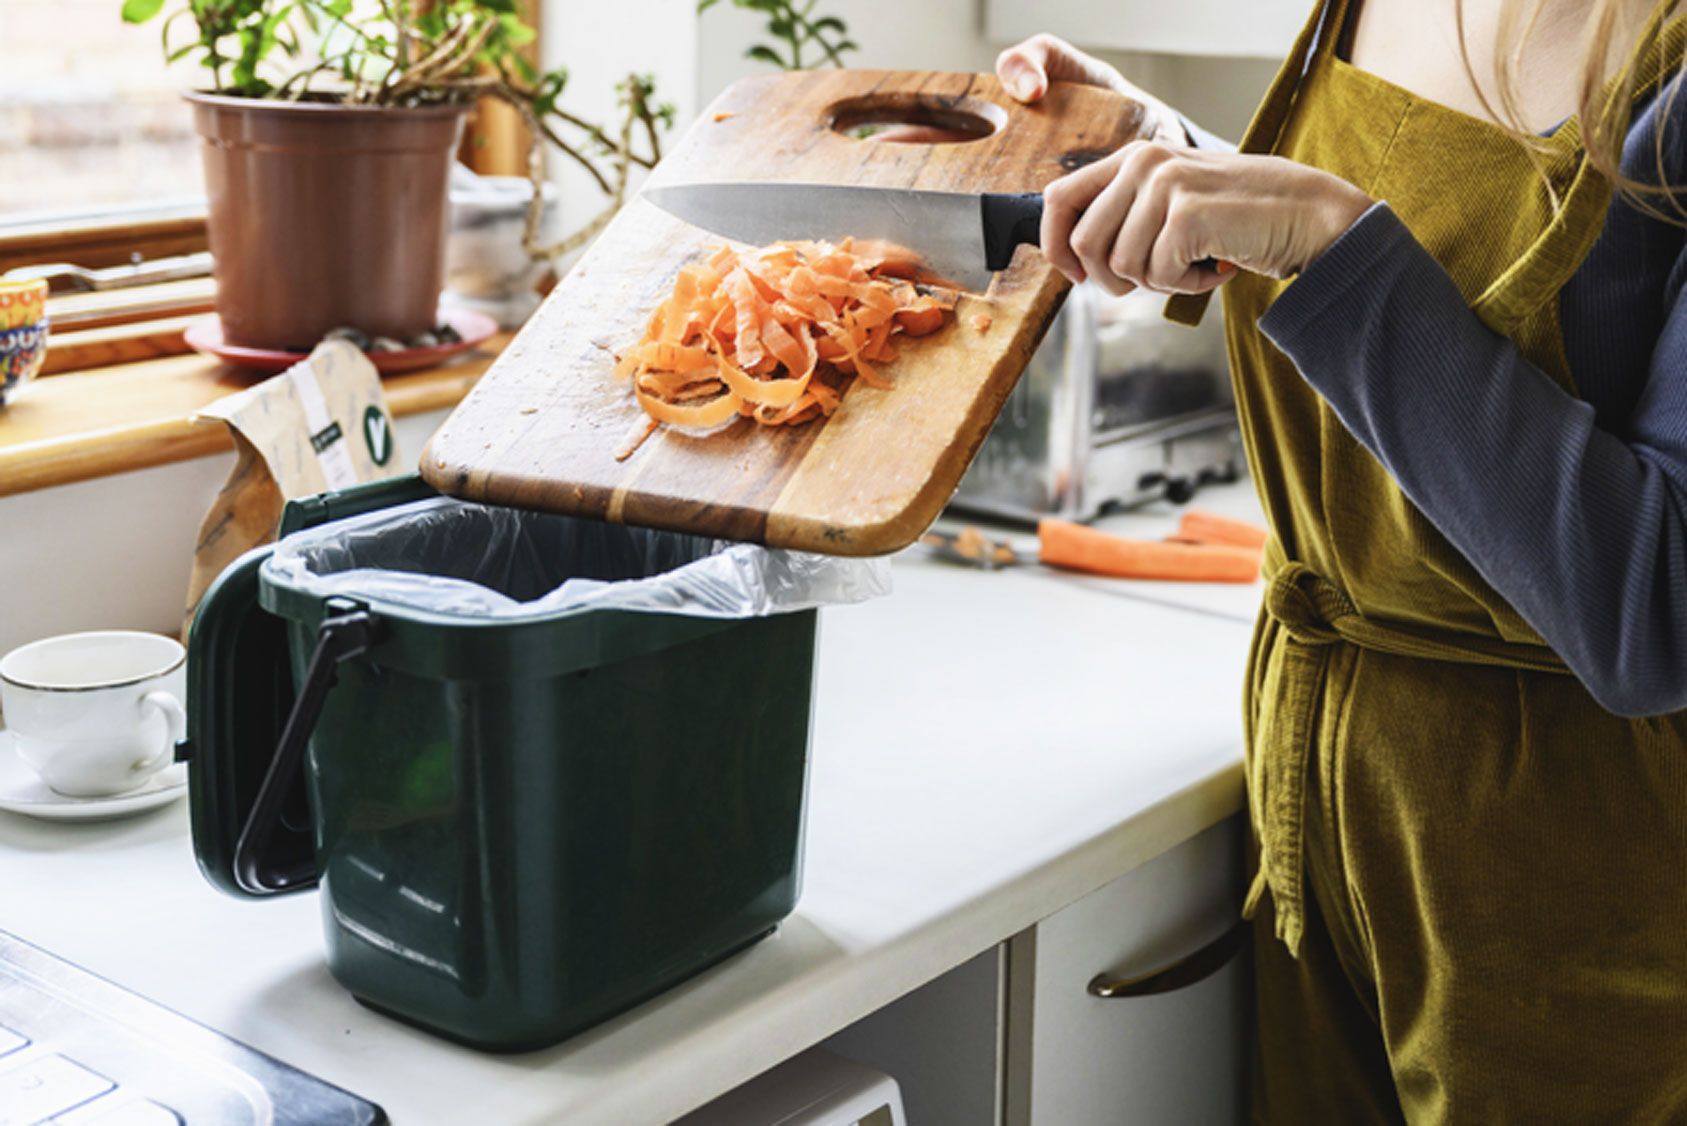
x=964 y=237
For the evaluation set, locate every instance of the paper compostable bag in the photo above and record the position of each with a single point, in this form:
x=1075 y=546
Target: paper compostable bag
x=321 y=424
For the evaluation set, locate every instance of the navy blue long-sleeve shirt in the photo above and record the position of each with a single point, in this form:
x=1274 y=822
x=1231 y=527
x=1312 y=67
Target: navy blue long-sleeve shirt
x=1575 y=510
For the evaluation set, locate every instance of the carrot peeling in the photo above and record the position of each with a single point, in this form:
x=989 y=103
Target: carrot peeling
x=1075 y=546
x=773 y=334
x=636 y=439
x=1198 y=526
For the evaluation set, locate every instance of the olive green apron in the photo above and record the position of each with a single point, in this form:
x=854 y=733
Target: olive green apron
x=1464 y=857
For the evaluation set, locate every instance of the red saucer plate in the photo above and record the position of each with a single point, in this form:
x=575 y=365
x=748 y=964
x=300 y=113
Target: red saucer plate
x=207 y=336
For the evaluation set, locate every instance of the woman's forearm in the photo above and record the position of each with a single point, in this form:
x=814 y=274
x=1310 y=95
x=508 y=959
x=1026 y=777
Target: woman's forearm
x=1583 y=532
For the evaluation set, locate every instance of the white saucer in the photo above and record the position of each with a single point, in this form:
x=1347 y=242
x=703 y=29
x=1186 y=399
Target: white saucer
x=22 y=791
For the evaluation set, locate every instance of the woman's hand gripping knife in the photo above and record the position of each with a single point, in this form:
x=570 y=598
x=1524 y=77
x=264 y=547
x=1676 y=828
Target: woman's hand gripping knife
x=1164 y=215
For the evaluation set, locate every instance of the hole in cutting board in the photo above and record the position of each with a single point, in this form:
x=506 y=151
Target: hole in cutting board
x=915 y=118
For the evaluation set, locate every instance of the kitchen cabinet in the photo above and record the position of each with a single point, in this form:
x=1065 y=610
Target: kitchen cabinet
x=1262 y=29
x=1015 y=1036
x=1168 y=1058
x=941 y=1043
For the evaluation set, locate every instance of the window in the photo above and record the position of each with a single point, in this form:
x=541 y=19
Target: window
x=90 y=117
x=98 y=159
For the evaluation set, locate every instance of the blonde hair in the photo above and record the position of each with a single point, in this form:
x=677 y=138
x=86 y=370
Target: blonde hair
x=1603 y=102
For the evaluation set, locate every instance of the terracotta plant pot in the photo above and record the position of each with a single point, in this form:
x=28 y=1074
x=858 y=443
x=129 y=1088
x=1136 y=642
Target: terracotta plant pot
x=323 y=215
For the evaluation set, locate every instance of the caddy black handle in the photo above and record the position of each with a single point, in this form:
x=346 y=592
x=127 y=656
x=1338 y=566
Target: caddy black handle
x=337 y=639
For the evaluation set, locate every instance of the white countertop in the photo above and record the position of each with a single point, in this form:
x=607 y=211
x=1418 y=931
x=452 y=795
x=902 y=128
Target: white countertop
x=989 y=747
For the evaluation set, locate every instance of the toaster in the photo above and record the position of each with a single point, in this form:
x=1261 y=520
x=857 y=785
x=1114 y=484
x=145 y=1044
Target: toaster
x=1118 y=407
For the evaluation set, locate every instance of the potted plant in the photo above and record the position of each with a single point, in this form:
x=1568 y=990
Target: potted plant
x=329 y=128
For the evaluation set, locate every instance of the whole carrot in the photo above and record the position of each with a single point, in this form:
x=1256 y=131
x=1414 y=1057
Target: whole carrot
x=1198 y=526
x=1065 y=544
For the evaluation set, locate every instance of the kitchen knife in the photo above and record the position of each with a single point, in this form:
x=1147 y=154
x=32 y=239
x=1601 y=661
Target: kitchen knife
x=962 y=236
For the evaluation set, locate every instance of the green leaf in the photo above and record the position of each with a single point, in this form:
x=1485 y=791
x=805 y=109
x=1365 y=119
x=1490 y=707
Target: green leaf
x=246 y=67
x=547 y=89
x=828 y=23
x=139 y=11
x=763 y=53
x=516 y=33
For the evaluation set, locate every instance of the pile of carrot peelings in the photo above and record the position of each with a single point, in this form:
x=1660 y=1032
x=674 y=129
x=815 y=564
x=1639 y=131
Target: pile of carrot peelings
x=772 y=333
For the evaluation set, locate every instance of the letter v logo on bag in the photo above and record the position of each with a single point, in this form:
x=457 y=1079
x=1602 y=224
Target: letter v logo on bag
x=377 y=435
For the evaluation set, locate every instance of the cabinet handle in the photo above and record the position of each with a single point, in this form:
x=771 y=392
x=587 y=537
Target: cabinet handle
x=1198 y=966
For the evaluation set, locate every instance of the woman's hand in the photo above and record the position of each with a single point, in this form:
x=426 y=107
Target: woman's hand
x=1149 y=214
x=1027 y=69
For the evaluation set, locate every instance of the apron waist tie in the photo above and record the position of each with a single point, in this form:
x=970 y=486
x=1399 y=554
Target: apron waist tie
x=1314 y=615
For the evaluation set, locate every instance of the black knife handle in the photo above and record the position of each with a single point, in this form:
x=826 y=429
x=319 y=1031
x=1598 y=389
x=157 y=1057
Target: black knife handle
x=1009 y=219
x=1012 y=218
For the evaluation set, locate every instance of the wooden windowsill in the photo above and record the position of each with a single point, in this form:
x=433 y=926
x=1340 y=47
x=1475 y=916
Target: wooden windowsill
x=75 y=426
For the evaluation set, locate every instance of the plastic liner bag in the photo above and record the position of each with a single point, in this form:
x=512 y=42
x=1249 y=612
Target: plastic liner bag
x=477 y=561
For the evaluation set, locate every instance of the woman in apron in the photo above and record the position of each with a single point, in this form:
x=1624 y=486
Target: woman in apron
x=1461 y=371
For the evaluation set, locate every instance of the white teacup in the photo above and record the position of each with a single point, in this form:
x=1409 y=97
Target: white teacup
x=96 y=714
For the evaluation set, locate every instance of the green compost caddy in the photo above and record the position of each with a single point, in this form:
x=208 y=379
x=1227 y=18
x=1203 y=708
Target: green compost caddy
x=518 y=826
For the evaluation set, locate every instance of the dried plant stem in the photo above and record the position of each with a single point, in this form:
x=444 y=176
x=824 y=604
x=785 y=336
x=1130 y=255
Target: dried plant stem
x=637 y=114
x=492 y=86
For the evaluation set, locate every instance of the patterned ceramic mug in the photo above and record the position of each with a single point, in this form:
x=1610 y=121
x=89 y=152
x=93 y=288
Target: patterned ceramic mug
x=22 y=303
x=23 y=333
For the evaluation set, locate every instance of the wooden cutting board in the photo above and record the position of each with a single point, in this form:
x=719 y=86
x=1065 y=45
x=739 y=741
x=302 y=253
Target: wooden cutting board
x=542 y=428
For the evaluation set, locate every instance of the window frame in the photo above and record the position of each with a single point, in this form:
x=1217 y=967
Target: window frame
x=113 y=237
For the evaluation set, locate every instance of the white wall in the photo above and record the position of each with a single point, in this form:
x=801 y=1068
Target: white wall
x=893 y=34
x=1219 y=94
x=601 y=42
x=116 y=552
